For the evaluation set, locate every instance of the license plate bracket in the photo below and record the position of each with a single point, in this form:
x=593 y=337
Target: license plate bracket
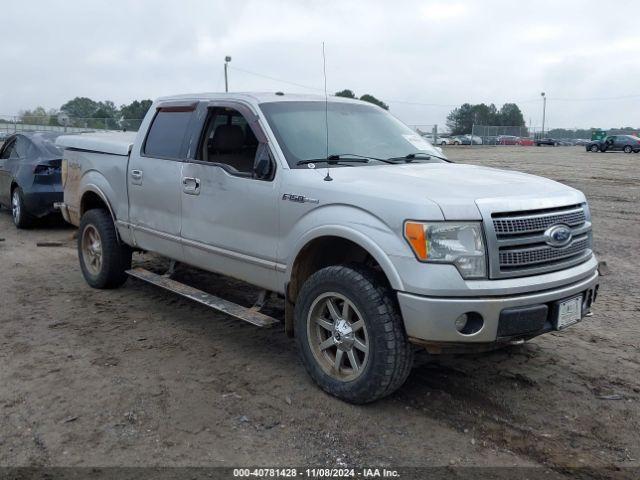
x=567 y=312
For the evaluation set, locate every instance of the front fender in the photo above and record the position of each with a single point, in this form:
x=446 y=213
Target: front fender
x=350 y=223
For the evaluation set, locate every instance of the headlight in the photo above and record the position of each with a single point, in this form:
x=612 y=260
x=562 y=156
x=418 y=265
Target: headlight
x=458 y=243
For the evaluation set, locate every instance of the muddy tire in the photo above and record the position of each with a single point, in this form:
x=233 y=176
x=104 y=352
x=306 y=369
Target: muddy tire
x=350 y=334
x=21 y=218
x=103 y=259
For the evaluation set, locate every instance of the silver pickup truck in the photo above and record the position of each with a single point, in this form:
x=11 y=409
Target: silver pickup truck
x=377 y=243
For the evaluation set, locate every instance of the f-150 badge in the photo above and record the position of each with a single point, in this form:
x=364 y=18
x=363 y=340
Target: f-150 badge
x=299 y=198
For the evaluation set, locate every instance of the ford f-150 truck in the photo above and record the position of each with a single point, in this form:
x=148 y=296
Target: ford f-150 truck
x=377 y=243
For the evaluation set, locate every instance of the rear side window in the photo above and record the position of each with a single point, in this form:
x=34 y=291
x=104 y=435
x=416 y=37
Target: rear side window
x=167 y=133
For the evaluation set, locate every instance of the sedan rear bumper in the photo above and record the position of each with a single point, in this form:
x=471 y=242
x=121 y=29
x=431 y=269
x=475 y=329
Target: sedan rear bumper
x=40 y=200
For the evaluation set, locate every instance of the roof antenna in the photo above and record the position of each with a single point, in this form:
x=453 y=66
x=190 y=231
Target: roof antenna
x=326 y=111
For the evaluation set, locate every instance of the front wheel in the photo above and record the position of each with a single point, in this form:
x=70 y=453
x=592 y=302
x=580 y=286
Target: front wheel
x=594 y=148
x=103 y=259
x=350 y=334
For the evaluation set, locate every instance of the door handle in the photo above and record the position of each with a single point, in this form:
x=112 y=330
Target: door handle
x=136 y=177
x=191 y=185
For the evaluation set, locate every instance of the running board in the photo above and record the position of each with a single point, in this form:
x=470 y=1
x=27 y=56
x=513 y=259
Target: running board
x=250 y=315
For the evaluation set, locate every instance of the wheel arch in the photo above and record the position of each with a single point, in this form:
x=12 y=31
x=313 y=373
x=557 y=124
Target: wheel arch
x=328 y=246
x=93 y=197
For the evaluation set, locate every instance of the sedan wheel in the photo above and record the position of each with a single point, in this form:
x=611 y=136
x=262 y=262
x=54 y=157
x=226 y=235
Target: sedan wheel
x=594 y=148
x=16 y=207
x=628 y=149
x=21 y=217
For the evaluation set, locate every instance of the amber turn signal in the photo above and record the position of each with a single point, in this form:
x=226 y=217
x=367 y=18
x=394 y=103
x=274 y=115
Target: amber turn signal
x=414 y=233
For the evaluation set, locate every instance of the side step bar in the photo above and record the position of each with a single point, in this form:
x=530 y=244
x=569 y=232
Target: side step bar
x=250 y=315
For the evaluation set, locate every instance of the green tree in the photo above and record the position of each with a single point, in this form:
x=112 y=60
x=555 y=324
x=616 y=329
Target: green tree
x=365 y=98
x=371 y=99
x=511 y=115
x=346 y=93
x=37 y=116
x=80 y=107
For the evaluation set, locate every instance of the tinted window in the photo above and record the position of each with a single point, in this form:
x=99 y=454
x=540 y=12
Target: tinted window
x=22 y=146
x=167 y=133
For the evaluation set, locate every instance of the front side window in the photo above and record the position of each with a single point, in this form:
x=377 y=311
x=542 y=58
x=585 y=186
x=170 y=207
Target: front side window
x=353 y=129
x=229 y=141
x=167 y=133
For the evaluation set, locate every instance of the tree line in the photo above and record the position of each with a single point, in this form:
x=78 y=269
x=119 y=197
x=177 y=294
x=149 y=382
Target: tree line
x=85 y=112
x=461 y=119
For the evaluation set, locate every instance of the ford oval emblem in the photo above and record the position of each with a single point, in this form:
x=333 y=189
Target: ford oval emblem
x=558 y=235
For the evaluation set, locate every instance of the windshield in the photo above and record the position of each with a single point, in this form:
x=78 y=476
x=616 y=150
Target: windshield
x=354 y=129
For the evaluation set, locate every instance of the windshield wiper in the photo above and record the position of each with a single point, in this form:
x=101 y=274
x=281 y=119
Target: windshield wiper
x=344 y=157
x=418 y=156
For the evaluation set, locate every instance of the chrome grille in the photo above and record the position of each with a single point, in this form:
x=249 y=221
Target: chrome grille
x=519 y=257
x=528 y=224
x=520 y=247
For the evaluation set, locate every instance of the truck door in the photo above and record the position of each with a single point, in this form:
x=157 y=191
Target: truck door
x=154 y=181
x=229 y=211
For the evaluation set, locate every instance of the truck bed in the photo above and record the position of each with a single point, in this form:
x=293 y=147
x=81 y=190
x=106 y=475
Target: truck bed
x=97 y=162
x=116 y=143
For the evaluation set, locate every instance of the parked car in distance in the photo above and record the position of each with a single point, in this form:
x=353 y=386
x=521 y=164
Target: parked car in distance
x=525 y=142
x=615 y=143
x=437 y=141
x=421 y=253
x=466 y=140
x=507 y=140
x=546 y=141
x=30 y=176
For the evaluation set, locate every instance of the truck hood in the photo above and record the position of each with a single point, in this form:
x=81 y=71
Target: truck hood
x=461 y=191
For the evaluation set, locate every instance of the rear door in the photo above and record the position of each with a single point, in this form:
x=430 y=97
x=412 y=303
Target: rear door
x=154 y=180
x=229 y=214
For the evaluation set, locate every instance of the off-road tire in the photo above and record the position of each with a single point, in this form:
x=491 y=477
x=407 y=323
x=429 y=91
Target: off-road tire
x=116 y=257
x=21 y=218
x=390 y=353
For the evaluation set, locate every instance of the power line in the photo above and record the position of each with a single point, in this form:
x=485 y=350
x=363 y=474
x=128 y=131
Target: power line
x=444 y=105
x=274 y=78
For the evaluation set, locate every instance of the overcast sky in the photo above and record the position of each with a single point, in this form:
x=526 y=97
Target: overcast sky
x=436 y=54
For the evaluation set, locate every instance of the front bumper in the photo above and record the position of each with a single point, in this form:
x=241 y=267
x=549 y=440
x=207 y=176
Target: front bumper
x=430 y=320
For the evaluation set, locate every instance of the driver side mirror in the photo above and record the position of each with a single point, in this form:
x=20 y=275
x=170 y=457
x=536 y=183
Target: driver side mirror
x=263 y=168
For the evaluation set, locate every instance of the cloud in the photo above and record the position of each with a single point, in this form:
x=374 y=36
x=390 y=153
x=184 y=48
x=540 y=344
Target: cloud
x=431 y=54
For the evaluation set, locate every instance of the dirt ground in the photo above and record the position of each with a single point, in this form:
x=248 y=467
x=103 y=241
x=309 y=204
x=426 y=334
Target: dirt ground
x=139 y=377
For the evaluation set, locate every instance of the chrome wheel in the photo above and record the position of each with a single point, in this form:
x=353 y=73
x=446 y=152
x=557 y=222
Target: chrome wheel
x=92 y=250
x=16 y=209
x=338 y=336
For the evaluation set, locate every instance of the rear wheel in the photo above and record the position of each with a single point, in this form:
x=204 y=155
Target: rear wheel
x=350 y=334
x=103 y=259
x=594 y=148
x=628 y=149
x=21 y=218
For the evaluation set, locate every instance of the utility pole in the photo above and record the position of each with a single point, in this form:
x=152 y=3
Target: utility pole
x=227 y=59
x=544 y=110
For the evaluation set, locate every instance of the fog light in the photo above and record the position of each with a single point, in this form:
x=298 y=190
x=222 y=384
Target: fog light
x=461 y=322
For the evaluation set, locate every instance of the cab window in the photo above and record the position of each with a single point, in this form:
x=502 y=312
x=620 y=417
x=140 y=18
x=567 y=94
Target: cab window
x=167 y=133
x=229 y=141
